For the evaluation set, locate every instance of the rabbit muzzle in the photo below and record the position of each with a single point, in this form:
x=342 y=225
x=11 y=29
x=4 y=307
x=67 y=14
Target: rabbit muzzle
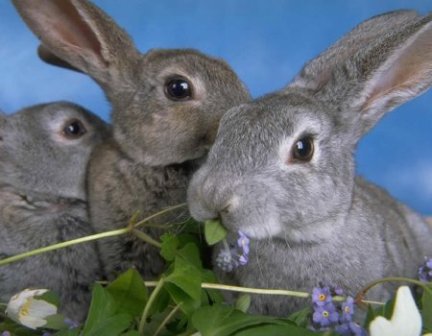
x=229 y=199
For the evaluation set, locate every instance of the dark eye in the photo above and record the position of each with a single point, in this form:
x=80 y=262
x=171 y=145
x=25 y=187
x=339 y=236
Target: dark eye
x=74 y=129
x=178 y=89
x=303 y=149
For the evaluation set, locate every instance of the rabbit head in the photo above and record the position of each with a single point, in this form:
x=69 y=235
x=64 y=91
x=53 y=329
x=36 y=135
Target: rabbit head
x=166 y=103
x=282 y=166
x=45 y=148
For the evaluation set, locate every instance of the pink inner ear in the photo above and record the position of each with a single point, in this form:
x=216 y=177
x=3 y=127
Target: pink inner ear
x=72 y=30
x=406 y=74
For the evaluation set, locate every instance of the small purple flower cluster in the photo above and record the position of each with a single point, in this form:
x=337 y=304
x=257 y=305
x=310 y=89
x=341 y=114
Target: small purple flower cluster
x=231 y=257
x=425 y=271
x=327 y=314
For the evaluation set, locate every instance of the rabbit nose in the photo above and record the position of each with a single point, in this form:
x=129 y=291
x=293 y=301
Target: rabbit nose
x=229 y=206
x=211 y=198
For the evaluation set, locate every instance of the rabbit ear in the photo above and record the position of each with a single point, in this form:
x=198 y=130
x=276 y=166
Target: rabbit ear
x=48 y=57
x=317 y=71
x=403 y=70
x=368 y=78
x=80 y=34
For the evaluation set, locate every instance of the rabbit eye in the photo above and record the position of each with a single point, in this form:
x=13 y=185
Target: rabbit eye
x=303 y=149
x=74 y=129
x=178 y=89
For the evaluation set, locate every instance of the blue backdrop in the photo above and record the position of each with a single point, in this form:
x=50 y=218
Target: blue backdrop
x=266 y=42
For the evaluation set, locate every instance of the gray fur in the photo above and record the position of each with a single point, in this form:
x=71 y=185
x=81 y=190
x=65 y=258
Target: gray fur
x=157 y=141
x=315 y=221
x=42 y=202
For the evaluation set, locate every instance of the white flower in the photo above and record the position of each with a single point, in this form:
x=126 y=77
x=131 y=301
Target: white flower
x=25 y=309
x=406 y=319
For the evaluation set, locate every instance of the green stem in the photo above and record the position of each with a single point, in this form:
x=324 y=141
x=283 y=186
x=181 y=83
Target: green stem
x=63 y=245
x=145 y=237
x=142 y=222
x=150 y=302
x=101 y=235
x=256 y=290
x=264 y=291
x=361 y=294
x=166 y=320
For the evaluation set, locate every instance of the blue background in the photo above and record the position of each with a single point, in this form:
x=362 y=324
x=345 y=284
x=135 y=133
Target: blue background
x=266 y=42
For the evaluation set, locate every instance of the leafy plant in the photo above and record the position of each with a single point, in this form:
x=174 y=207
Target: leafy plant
x=186 y=299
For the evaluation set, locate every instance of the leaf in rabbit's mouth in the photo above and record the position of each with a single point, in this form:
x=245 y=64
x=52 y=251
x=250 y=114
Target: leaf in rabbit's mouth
x=214 y=231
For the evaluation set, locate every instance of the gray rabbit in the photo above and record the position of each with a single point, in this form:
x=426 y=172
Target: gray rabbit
x=282 y=170
x=44 y=151
x=166 y=107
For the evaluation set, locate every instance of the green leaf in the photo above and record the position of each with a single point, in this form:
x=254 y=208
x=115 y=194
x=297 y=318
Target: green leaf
x=112 y=326
x=129 y=292
x=190 y=254
x=370 y=316
x=49 y=297
x=187 y=278
x=214 y=232
x=388 y=308
x=169 y=246
x=275 y=330
x=222 y=320
x=212 y=295
x=180 y=297
x=302 y=317
x=68 y=332
x=102 y=307
x=131 y=333
x=243 y=302
x=162 y=302
x=55 y=322
x=426 y=301
x=14 y=328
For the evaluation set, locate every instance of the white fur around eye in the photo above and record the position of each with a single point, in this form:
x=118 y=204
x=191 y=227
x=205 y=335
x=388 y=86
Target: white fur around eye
x=307 y=128
x=56 y=130
x=198 y=87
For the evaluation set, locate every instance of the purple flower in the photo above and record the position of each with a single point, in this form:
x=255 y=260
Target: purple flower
x=6 y=333
x=243 y=243
x=71 y=323
x=243 y=260
x=328 y=315
x=225 y=261
x=349 y=329
x=321 y=296
x=237 y=255
x=325 y=315
x=347 y=310
x=338 y=291
x=425 y=271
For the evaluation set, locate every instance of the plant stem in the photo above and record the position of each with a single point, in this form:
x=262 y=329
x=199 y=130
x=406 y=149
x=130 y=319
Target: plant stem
x=150 y=301
x=361 y=294
x=63 y=245
x=256 y=290
x=166 y=320
x=145 y=237
x=264 y=291
x=142 y=222
x=101 y=235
